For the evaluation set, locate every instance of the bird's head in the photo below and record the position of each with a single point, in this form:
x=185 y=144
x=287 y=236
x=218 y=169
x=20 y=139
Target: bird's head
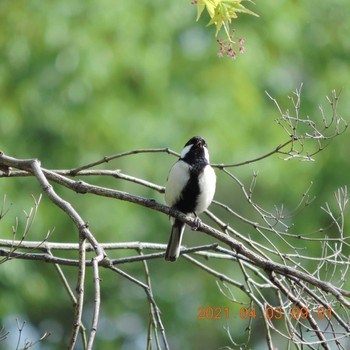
x=195 y=148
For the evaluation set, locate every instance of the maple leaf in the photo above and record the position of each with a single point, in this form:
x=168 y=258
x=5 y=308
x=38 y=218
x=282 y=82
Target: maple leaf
x=221 y=12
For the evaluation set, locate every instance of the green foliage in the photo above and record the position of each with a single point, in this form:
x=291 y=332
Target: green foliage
x=222 y=12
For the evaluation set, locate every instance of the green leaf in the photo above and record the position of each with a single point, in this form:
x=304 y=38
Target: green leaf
x=221 y=12
x=219 y=18
x=200 y=8
x=209 y=4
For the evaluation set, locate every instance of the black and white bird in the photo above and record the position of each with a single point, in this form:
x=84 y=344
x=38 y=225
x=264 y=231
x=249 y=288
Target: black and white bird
x=190 y=189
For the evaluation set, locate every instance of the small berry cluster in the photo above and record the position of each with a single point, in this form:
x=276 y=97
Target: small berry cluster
x=230 y=47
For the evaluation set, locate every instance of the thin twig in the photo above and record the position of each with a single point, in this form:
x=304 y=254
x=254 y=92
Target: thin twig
x=153 y=318
x=97 y=303
x=106 y=159
x=80 y=294
x=150 y=298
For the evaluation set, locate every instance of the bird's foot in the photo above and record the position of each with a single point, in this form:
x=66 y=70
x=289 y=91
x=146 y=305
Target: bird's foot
x=197 y=222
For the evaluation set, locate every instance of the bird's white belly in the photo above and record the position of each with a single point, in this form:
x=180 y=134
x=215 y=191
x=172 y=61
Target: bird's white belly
x=207 y=182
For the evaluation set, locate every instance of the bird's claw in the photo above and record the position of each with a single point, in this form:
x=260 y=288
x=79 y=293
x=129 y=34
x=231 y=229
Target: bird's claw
x=196 y=223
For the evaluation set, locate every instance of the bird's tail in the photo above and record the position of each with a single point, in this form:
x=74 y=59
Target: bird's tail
x=173 y=248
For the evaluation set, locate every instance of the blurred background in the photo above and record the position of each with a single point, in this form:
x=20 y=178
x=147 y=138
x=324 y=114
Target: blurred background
x=83 y=79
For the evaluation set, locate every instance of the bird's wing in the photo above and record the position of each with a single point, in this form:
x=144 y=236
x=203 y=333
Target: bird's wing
x=178 y=177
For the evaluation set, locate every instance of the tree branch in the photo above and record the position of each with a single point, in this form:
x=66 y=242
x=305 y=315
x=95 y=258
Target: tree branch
x=262 y=266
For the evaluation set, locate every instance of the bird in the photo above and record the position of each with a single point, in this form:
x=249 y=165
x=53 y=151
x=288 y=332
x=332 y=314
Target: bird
x=190 y=189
